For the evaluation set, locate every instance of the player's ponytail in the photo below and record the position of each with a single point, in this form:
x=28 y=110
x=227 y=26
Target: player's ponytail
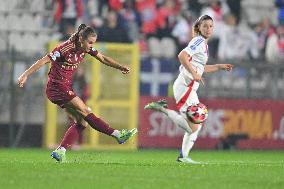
x=197 y=23
x=81 y=27
x=195 y=29
x=75 y=37
x=84 y=31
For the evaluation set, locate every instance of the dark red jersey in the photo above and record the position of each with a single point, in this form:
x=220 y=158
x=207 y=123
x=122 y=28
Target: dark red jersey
x=65 y=59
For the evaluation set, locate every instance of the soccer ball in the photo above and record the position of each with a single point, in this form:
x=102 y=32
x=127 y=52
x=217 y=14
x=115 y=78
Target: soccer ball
x=197 y=113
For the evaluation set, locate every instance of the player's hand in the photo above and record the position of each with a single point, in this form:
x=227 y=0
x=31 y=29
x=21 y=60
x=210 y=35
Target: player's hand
x=21 y=80
x=226 y=67
x=198 y=78
x=125 y=70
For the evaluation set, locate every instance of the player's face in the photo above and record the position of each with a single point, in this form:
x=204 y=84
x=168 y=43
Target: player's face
x=206 y=28
x=88 y=43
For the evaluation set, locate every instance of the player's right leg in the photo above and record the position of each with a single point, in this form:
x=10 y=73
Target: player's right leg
x=81 y=111
x=187 y=160
x=189 y=138
x=187 y=144
x=185 y=95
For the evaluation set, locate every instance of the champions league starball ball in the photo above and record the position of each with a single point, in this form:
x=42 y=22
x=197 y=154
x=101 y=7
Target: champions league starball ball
x=197 y=113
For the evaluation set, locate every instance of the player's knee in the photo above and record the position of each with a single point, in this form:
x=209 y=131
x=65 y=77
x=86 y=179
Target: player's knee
x=84 y=123
x=81 y=123
x=86 y=111
x=194 y=127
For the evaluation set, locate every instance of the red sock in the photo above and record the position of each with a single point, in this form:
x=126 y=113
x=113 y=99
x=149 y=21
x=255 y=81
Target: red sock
x=98 y=124
x=72 y=135
x=80 y=139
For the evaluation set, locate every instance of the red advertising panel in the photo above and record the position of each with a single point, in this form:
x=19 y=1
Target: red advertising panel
x=261 y=121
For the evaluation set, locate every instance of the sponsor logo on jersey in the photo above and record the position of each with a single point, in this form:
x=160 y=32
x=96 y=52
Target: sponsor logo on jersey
x=68 y=66
x=54 y=55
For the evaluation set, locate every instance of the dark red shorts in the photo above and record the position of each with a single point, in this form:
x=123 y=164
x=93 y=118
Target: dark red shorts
x=59 y=94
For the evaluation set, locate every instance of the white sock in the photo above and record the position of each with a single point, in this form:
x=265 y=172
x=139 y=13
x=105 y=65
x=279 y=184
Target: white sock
x=177 y=119
x=61 y=148
x=116 y=133
x=188 y=141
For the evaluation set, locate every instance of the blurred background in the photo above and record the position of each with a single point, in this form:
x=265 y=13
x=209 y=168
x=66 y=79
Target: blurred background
x=246 y=106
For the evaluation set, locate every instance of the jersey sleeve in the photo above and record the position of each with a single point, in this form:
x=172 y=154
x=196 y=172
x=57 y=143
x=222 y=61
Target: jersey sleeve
x=55 y=54
x=93 y=52
x=194 y=46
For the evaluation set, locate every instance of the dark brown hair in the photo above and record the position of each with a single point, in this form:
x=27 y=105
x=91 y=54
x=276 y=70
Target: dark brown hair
x=84 y=31
x=197 y=23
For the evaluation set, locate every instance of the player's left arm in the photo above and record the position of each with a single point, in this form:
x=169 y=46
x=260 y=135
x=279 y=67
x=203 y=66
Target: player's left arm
x=112 y=63
x=217 y=67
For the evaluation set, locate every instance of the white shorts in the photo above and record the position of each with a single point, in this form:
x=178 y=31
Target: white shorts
x=185 y=93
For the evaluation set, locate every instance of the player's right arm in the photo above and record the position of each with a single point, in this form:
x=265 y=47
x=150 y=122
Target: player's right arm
x=36 y=66
x=184 y=59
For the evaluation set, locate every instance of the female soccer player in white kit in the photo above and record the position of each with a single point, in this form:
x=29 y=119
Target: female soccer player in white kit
x=193 y=61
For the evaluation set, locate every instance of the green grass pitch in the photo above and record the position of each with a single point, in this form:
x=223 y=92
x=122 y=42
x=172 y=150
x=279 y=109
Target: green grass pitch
x=33 y=168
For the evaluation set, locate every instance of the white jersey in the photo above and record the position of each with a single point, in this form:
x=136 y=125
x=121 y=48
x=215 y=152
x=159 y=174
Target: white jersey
x=197 y=49
x=184 y=86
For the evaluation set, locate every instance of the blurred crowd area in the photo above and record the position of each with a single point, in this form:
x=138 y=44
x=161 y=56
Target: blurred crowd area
x=244 y=29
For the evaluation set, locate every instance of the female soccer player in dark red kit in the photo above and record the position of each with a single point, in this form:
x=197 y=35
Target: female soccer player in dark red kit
x=65 y=59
